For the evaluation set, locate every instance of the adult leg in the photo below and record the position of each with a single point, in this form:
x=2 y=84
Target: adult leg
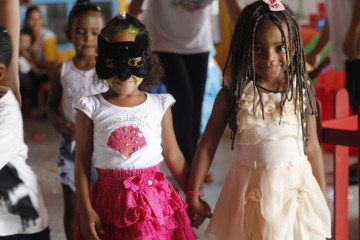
x=185 y=80
x=177 y=81
x=197 y=68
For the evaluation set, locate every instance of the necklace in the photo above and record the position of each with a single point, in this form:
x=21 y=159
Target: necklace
x=268 y=90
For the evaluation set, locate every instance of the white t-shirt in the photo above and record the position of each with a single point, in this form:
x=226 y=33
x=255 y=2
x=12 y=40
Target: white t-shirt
x=76 y=83
x=176 y=30
x=126 y=137
x=13 y=152
x=339 y=17
x=24 y=65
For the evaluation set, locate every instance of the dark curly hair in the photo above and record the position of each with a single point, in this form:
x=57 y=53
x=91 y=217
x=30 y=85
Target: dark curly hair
x=241 y=55
x=131 y=23
x=5 y=46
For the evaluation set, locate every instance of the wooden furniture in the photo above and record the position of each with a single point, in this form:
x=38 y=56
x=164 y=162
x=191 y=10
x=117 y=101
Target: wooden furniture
x=343 y=131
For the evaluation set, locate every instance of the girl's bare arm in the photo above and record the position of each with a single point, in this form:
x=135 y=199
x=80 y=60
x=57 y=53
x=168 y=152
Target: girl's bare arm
x=56 y=118
x=172 y=154
x=315 y=156
x=209 y=142
x=10 y=18
x=89 y=220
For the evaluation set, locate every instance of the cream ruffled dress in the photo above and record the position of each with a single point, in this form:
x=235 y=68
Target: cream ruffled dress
x=270 y=192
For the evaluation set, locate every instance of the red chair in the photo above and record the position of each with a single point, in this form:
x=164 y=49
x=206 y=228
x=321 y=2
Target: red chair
x=342 y=131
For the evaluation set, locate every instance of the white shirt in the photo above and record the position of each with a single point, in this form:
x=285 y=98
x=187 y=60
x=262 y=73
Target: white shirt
x=174 y=29
x=339 y=17
x=76 y=83
x=126 y=137
x=24 y=65
x=13 y=150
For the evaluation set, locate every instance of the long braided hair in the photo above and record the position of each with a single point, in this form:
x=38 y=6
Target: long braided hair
x=241 y=63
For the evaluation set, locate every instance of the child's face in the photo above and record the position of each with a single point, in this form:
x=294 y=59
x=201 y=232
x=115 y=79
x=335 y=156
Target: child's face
x=270 y=53
x=25 y=42
x=84 y=33
x=115 y=83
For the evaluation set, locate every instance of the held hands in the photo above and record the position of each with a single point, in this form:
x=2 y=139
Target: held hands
x=90 y=225
x=198 y=210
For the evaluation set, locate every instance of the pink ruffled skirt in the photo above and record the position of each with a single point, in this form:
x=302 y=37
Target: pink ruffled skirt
x=139 y=204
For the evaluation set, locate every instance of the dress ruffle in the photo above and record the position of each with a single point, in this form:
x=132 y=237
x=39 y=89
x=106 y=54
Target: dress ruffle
x=274 y=203
x=251 y=102
x=140 y=206
x=253 y=128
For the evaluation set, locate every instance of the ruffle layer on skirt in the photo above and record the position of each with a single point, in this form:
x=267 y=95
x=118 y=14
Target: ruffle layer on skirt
x=260 y=203
x=140 y=204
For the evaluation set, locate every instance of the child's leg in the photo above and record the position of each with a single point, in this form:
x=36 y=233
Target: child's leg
x=41 y=99
x=69 y=197
x=66 y=166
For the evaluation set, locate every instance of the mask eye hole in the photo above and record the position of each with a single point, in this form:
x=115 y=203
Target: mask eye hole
x=135 y=62
x=110 y=63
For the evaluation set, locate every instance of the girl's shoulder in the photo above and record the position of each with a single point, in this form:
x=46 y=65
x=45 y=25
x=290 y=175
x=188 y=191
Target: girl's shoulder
x=161 y=96
x=162 y=100
x=90 y=102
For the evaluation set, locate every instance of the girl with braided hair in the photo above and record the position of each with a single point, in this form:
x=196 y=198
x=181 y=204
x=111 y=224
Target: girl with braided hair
x=276 y=187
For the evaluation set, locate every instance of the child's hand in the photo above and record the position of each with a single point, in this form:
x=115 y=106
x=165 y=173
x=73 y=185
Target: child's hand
x=198 y=210
x=67 y=131
x=90 y=225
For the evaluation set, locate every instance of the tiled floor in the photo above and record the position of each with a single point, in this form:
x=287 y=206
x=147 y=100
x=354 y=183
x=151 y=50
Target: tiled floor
x=43 y=149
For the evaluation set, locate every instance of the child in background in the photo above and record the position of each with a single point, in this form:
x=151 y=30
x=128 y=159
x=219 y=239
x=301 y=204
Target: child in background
x=130 y=133
x=71 y=80
x=276 y=188
x=26 y=62
x=24 y=51
x=43 y=51
x=44 y=43
x=31 y=77
x=22 y=211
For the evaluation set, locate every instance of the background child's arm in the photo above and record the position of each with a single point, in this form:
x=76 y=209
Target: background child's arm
x=37 y=71
x=172 y=154
x=206 y=150
x=89 y=219
x=135 y=7
x=56 y=118
x=315 y=156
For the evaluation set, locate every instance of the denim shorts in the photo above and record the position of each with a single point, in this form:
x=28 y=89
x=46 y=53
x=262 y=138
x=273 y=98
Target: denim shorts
x=66 y=164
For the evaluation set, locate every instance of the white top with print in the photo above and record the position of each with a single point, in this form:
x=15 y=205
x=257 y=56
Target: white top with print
x=126 y=137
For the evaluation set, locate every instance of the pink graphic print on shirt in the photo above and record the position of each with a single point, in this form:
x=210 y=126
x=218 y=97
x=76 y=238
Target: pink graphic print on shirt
x=126 y=140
